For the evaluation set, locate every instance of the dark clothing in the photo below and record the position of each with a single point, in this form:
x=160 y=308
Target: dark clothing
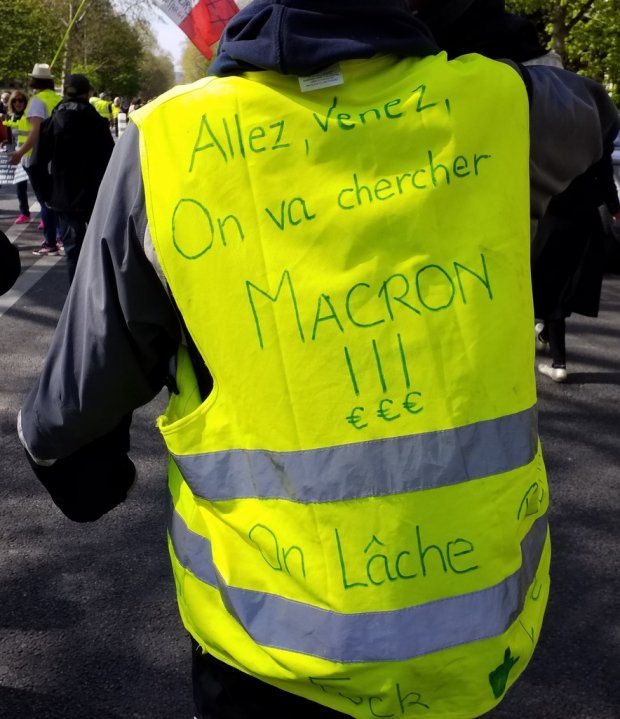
x=48 y=216
x=221 y=692
x=72 y=227
x=568 y=251
x=77 y=142
x=10 y=265
x=300 y=39
x=462 y=27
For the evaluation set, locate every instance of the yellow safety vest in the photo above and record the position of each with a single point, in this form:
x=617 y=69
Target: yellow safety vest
x=103 y=107
x=51 y=99
x=359 y=508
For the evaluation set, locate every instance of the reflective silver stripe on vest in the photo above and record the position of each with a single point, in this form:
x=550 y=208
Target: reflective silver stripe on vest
x=366 y=469
x=395 y=635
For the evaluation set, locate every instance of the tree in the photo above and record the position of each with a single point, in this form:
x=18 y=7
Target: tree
x=109 y=41
x=193 y=63
x=584 y=33
x=156 y=67
x=30 y=31
x=106 y=48
x=156 y=74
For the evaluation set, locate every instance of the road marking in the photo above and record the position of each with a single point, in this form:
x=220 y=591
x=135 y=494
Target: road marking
x=15 y=231
x=27 y=280
x=29 y=277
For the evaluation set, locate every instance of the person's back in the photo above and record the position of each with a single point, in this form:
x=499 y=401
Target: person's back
x=69 y=162
x=357 y=410
x=358 y=500
x=81 y=145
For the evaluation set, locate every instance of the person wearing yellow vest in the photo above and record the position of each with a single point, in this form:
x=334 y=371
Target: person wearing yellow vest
x=18 y=102
x=327 y=240
x=39 y=108
x=103 y=107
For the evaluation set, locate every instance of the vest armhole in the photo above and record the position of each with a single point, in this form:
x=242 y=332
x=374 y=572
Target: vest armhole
x=203 y=376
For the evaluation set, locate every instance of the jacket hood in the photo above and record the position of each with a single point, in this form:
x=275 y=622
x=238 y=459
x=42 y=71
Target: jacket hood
x=301 y=37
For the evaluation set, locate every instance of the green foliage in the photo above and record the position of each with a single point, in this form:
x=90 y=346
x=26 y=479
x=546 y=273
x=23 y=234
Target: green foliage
x=585 y=33
x=193 y=63
x=108 y=42
x=30 y=34
x=157 y=74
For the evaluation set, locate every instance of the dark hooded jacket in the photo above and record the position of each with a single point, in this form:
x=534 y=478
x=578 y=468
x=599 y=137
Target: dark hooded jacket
x=118 y=303
x=75 y=144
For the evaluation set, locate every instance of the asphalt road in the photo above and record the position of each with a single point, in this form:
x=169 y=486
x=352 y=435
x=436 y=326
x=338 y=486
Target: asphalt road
x=88 y=623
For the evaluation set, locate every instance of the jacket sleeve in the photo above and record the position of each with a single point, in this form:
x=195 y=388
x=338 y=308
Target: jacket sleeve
x=572 y=121
x=111 y=352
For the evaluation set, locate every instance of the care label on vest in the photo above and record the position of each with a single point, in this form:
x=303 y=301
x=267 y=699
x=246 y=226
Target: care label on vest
x=329 y=77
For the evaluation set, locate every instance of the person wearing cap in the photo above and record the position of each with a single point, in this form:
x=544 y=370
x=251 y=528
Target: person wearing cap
x=75 y=144
x=39 y=108
x=322 y=250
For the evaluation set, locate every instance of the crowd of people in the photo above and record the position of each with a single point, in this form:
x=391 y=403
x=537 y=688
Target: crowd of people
x=60 y=145
x=324 y=564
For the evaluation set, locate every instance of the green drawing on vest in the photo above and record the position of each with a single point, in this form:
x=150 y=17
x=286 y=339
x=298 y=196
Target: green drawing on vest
x=394 y=299
x=374 y=540
x=230 y=140
x=201 y=146
x=194 y=232
x=411 y=406
x=286 y=213
x=434 y=283
x=421 y=559
x=347 y=121
x=284 y=280
x=356 y=419
x=274 y=554
x=531 y=503
x=484 y=280
x=411 y=699
x=355 y=320
x=498 y=678
x=431 y=176
x=389 y=297
x=530 y=632
x=371 y=707
x=330 y=315
x=375 y=350
x=537 y=588
x=347 y=357
x=421 y=89
x=403 y=359
x=379 y=366
x=337 y=686
x=386 y=410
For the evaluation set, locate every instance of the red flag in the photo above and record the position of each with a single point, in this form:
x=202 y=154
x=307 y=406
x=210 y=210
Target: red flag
x=203 y=21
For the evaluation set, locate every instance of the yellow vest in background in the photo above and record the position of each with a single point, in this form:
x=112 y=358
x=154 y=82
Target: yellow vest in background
x=24 y=127
x=359 y=508
x=103 y=107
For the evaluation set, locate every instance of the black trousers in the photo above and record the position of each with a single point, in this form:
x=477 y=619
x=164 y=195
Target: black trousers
x=221 y=692
x=72 y=230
